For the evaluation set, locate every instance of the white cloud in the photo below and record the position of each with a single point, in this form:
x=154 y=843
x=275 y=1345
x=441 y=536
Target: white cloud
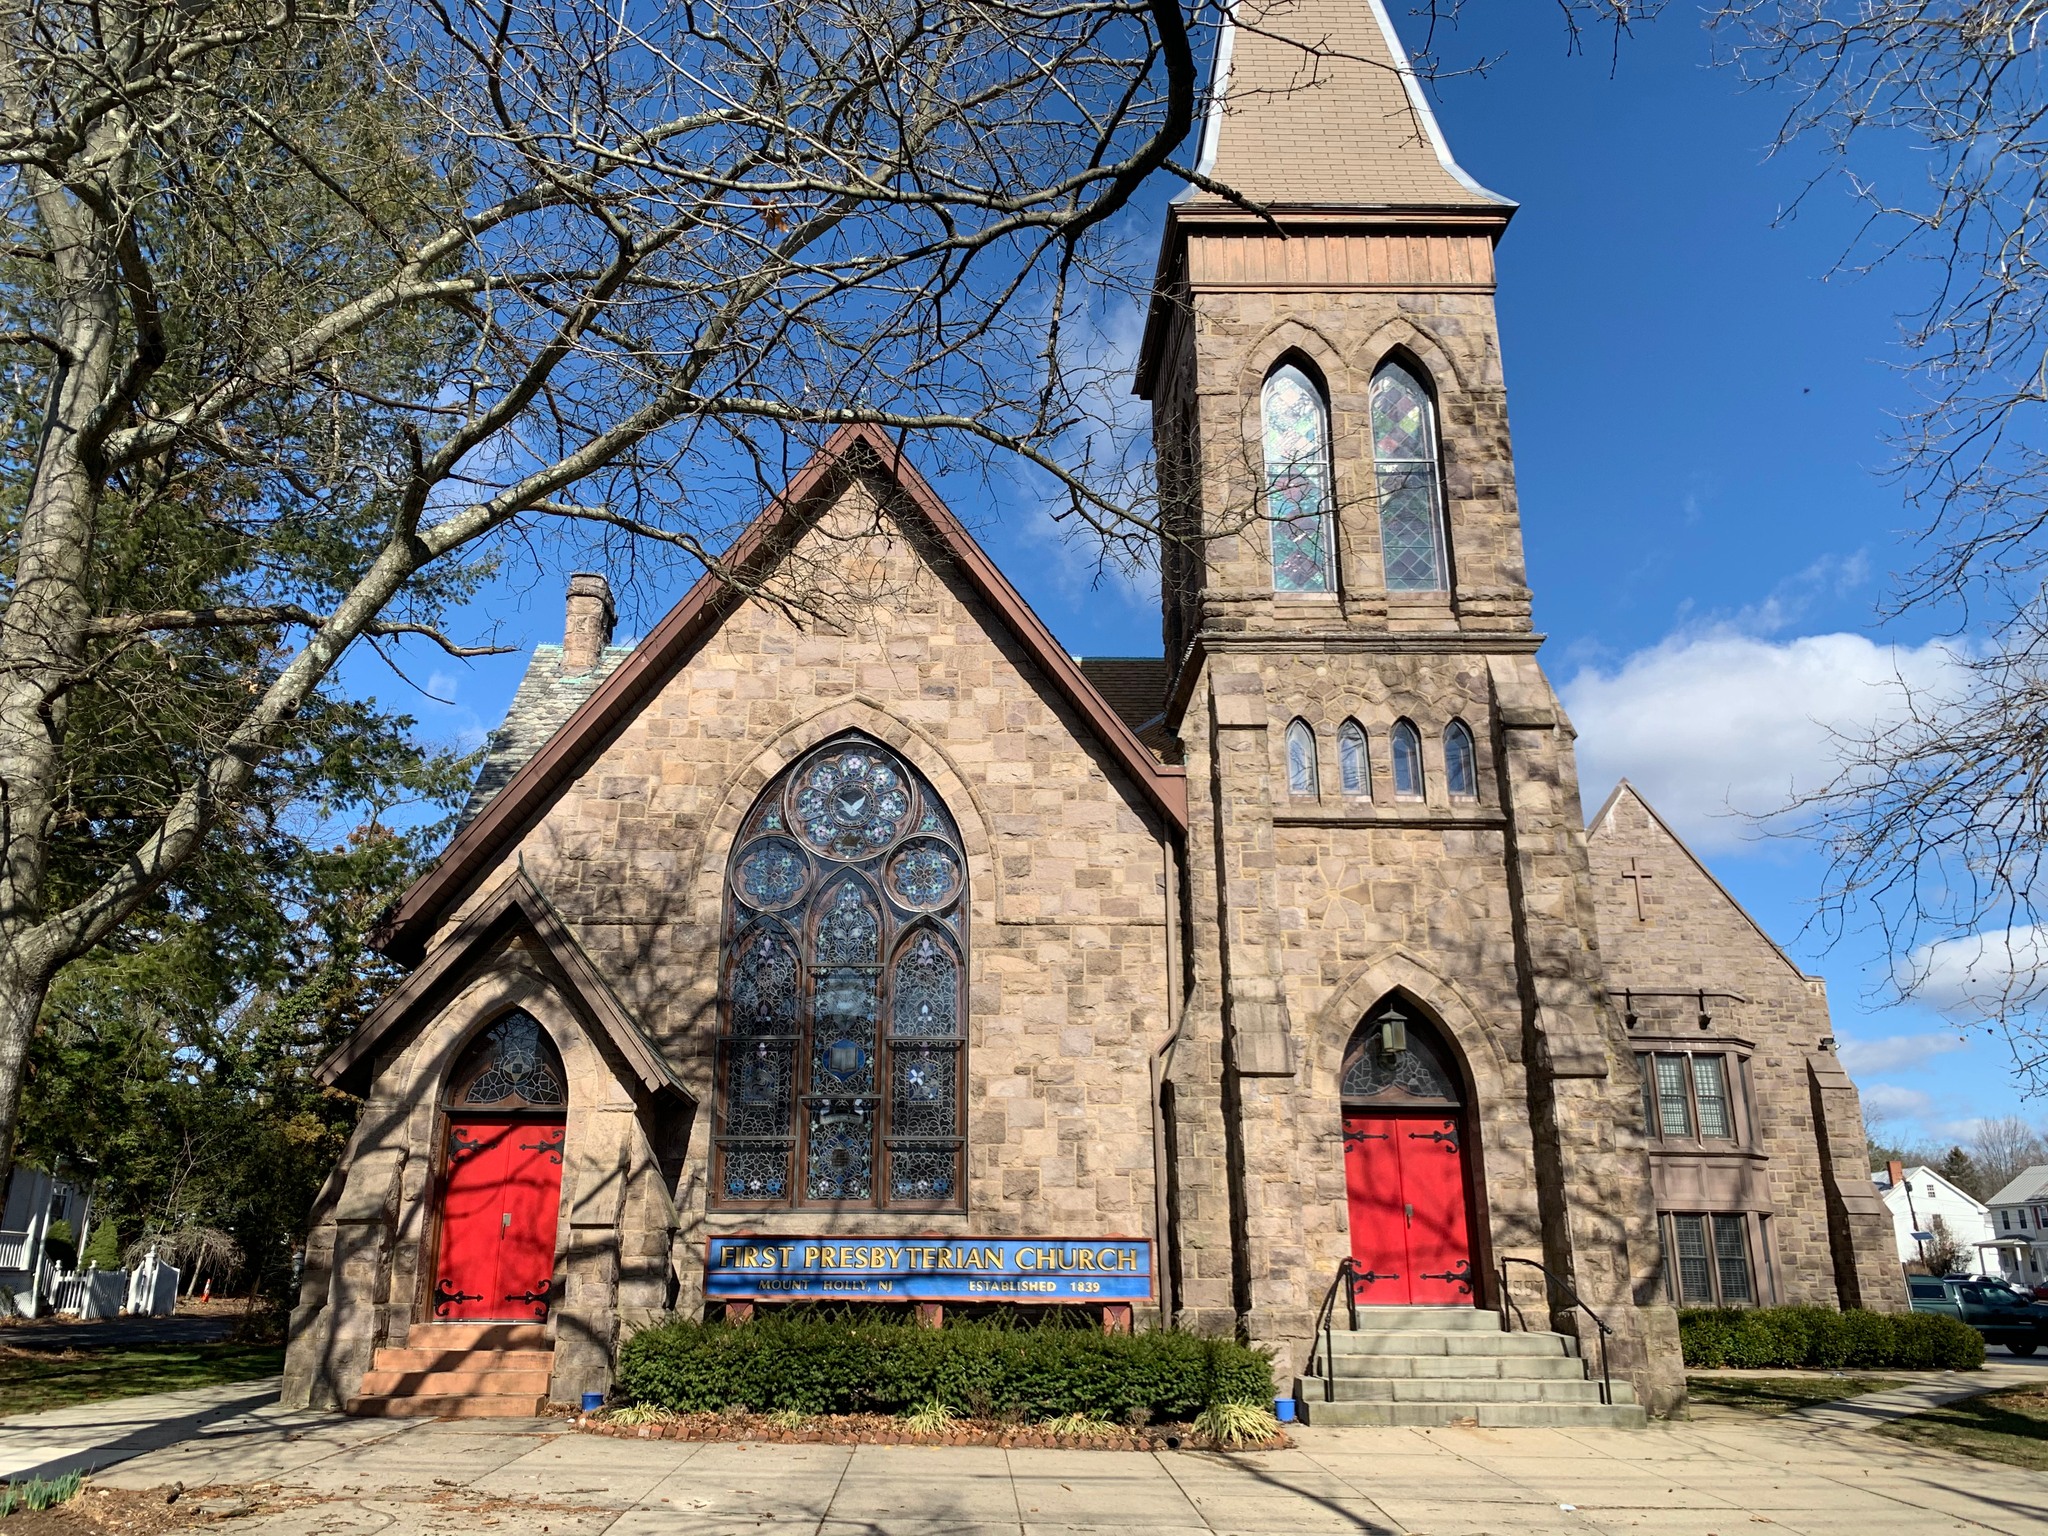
x=1896 y=1051
x=1718 y=724
x=1978 y=976
x=1889 y=1101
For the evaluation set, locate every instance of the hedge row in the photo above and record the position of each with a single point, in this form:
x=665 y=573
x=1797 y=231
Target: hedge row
x=1760 y=1338
x=818 y=1365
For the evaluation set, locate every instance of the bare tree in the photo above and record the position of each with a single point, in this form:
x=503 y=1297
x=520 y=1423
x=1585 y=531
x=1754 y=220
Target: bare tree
x=1937 y=820
x=1945 y=1254
x=312 y=312
x=2005 y=1148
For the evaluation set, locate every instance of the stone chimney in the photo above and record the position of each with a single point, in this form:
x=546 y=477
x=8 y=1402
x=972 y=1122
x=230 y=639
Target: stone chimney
x=588 y=628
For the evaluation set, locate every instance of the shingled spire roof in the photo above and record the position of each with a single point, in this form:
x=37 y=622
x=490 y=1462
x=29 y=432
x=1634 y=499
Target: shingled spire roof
x=1313 y=104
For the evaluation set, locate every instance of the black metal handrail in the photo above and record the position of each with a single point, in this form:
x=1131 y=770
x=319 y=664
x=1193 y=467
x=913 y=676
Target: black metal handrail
x=1347 y=1276
x=1557 y=1288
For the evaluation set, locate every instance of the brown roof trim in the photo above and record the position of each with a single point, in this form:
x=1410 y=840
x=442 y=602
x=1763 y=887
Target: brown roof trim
x=527 y=794
x=517 y=903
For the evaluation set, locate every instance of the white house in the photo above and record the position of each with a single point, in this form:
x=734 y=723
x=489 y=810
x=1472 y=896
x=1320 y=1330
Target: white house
x=2019 y=1216
x=35 y=1201
x=1919 y=1197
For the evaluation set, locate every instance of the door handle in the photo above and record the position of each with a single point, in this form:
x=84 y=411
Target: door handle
x=1409 y=1210
x=506 y=1223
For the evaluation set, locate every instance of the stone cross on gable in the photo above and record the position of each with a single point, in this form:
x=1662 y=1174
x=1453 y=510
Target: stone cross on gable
x=1641 y=877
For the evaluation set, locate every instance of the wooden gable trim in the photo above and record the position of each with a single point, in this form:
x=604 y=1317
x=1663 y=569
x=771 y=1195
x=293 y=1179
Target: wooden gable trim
x=517 y=903
x=528 y=793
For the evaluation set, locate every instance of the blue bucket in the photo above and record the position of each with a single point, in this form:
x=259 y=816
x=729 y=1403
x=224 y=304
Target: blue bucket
x=592 y=1401
x=1283 y=1409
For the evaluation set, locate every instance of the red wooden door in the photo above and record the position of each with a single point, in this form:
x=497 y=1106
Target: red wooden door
x=499 y=1202
x=1404 y=1176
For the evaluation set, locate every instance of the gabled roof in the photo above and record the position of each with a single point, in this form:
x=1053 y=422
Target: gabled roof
x=1625 y=788
x=1313 y=103
x=1926 y=1175
x=516 y=904
x=851 y=451
x=2029 y=1186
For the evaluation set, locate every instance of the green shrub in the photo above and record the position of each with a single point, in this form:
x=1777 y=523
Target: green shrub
x=61 y=1244
x=103 y=1247
x=841 y=1365
x=1767 y=1338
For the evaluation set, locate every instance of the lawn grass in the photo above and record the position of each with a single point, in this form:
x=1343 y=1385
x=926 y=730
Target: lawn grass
x=2008 y=1427
x=31 y=1380
x=1778 y=1394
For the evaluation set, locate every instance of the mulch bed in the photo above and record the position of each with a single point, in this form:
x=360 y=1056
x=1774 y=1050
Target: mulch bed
x=880 y=1429
x=149 y=1511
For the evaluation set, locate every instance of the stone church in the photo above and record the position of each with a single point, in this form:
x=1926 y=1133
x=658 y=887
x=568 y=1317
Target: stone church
x=909 y=960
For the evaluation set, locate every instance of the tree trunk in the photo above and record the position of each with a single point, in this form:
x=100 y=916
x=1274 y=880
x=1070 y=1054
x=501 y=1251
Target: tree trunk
x=43 y=627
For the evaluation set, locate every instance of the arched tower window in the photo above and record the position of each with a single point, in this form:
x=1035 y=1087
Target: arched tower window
x=511 y=1065
x=1404 y=447
x=1295 y=428
x=1354 y=761
x=1301 y=761
x=845 y=991
x=1407 y=761
x=1461 y=763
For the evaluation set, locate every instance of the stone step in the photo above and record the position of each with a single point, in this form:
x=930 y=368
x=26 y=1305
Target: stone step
x=1426 y=1319
x=1484 y=1367
x=468 y=1381
x=1414 y=1342
x=1486 y=1415
x=447 y=1407
x=1424 y=1389
x=446 y=1336
x=463 y=1360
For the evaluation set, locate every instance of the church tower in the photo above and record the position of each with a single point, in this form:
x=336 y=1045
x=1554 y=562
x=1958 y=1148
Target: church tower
x=1388 y=923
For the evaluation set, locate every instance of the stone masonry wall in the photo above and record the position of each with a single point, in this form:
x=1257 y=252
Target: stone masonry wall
x=1810 y=1176
x=1066 y=867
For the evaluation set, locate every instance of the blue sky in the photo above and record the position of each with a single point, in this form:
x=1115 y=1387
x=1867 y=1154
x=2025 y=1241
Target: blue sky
x=1699 y=418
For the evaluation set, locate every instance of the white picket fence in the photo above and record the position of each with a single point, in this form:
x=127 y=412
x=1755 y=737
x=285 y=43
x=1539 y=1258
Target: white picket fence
x=152 y=1288
x=89 y=1293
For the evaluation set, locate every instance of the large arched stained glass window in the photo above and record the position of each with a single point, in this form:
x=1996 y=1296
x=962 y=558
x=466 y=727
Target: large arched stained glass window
x=1404 y=451
x=1295 y=423
x=841 y=1068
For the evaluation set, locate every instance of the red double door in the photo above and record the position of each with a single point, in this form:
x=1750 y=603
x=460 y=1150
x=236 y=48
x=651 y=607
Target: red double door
x=1404 y=1175
x=500 y=1196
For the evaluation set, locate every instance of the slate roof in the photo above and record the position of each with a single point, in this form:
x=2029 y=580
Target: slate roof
x=547 y=697
x=1314 y=104
x=1135 y=687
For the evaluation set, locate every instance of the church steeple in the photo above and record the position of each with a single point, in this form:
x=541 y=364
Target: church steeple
x=1313 y=103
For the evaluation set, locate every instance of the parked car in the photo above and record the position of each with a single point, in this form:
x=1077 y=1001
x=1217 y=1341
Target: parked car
x=2004 y=1313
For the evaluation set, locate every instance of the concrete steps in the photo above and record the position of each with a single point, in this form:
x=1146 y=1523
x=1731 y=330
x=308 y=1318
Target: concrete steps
x=459 y=1371
x=1423 y=1366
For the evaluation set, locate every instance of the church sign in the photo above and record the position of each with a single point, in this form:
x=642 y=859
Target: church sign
x=782 y=1267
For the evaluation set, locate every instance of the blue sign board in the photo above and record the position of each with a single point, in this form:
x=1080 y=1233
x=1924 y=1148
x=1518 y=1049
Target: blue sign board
x=778 y=1267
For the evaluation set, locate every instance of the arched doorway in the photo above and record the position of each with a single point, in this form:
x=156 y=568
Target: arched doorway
x=1406 y=1162
x=501 y=1176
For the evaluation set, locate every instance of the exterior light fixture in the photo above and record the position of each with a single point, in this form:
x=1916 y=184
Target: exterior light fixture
x=1393 y=1032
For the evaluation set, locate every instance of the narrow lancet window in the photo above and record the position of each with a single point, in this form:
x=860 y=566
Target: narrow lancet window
x=1461 y=763
x=1407 y=761
x=1295 y=421
x=1354 y=763
x=1404 y=450
x=1301 y=761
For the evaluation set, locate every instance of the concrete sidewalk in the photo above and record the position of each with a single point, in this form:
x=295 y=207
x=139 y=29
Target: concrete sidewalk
x=94 y=1435
x=522 y=1477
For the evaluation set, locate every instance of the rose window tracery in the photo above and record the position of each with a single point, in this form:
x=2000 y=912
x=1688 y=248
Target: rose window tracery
x=840 y=1068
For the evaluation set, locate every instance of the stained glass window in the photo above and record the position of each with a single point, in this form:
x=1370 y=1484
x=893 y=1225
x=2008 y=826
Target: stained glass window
x=511 y=1065
x=1461 y=763
x=845 y=990
x=1405 y=468
x=1296 y=427
x=1407 y=761
x=1354 y=762
x=1301 y=760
